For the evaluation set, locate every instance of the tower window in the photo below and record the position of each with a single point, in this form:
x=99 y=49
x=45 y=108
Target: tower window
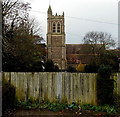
x=54 y=27
x=58 y=27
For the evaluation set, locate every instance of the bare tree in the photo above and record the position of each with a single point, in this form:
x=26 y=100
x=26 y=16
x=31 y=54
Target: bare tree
x=13 y=12
x=99 y=41
x=34 y=26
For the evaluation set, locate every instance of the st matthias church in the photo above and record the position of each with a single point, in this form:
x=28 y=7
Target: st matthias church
x=62 y=54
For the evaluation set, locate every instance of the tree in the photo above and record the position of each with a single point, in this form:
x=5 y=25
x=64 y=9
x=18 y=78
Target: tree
x=109 y=58
x=14 y=13
x=19 y=50
x=99 y=41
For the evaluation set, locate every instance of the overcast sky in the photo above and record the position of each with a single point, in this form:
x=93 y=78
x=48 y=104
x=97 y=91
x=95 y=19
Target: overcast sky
x=87 y=15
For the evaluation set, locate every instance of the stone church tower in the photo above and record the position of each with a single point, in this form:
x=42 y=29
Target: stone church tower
x=56 y=47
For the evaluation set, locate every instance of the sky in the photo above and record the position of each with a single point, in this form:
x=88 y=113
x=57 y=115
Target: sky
x=81 y=16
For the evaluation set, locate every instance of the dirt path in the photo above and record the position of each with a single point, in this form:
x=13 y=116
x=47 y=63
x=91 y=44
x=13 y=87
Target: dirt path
x=47 y=113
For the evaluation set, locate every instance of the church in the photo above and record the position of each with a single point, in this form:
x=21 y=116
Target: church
x=62 y=54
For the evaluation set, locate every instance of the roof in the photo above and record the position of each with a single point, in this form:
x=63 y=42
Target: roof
x=79 y=58
x=82 y=48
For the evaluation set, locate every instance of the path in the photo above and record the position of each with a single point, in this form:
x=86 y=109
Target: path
x=47 y=113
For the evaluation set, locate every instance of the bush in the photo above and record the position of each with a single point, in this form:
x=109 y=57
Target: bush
x=91 y=68
x=80 y=67
x=105 y=86
x=71 y=69
x=117 y=102
x=57 y=106
x=8 y=96
x=49 y=66
x=105 y=71
x=105 y=108
x=56 y=68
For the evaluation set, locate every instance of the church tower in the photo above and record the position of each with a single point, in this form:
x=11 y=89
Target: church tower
x=56 y=47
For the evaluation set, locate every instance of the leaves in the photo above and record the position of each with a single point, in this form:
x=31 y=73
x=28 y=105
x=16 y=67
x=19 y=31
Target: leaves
x=105 y=108
x=57 y=106
x=19 y=47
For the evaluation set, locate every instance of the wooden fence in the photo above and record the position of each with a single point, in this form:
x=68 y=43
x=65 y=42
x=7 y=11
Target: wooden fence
x=63 y=86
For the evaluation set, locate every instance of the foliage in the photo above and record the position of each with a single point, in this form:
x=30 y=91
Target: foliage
x=57 y=106
x=56 y=68
x=91 y=68
x=73 y=106
x=19 y=49
x=105 y=71
x=8 y=95
x=117 y=102
x=105 y=86
x=14 y=13
x=80 y=67
x=109 y=58
x=100 y=42
x=49 y=66
x=105 y=108
x=53 y=106
x=71 y=69
x=29 y=104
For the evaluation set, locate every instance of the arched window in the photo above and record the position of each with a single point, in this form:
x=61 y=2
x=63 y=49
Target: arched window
x=58 y=27
x=54 y=27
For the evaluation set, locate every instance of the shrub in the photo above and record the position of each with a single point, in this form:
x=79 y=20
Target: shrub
x=105 y=71
x=71 y=69
x=117 y=102
x=105 y=108
x=56 y=68
x=49 y=66
x=8 y=96
x=91 y=68
x=105 y=85
x=80 y=67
